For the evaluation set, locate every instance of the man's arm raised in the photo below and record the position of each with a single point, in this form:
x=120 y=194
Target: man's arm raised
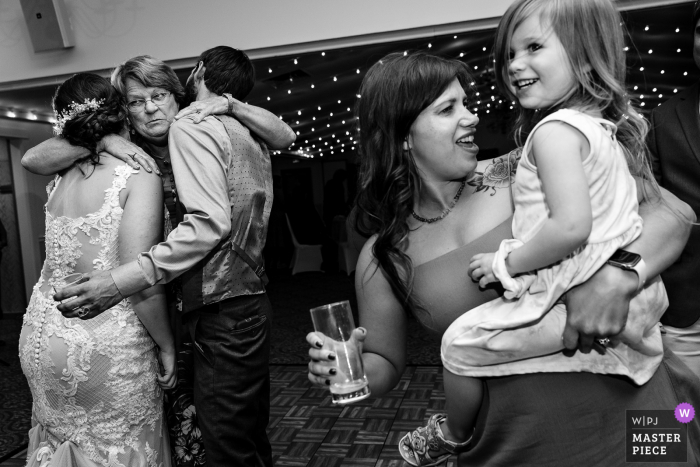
x=272 y=130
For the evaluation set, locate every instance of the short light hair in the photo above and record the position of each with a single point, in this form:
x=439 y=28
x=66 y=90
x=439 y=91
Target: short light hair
x=151 y=73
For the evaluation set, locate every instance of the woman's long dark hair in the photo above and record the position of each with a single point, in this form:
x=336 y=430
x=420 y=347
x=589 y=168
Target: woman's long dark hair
x=87 y=128
x=393 y=93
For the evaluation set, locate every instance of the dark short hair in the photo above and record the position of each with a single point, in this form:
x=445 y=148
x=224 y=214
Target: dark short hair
x=228 y=70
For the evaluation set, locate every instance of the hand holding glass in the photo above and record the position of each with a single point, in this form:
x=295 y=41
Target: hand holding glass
x=70 y=279
x=335 y=322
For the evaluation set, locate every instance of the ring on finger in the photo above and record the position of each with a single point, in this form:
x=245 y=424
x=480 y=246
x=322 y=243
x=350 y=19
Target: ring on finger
x=604 y=341
x=83 y=311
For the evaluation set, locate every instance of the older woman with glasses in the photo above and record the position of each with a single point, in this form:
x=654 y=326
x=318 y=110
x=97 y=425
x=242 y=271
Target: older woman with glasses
x=150 y=117
x=154 y=95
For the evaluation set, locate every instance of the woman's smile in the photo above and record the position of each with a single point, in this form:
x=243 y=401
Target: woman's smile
x=442 y=137
x=466 y=142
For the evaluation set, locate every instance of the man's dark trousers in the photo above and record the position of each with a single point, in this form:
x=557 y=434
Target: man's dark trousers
x=232 y=380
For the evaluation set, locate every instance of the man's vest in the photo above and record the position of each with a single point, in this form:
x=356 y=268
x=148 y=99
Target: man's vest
x=236 y=267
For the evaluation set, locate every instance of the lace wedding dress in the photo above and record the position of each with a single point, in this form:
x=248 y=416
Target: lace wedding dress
x=96 y=401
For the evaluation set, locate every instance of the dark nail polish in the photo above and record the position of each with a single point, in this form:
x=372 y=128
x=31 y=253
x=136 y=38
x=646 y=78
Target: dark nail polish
x=331 y=356
x=332 y=371
x=328 y=382
x=318 y=344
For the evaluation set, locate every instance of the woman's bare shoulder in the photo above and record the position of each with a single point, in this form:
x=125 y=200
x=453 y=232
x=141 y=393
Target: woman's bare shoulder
x=367 y=264
x=367 y=252
x=495 y=174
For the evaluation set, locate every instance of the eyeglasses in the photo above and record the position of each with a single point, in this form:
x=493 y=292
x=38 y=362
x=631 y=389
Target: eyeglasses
x=158 y=99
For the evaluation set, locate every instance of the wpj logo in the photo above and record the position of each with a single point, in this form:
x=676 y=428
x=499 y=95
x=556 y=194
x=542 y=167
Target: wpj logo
x=658 y=435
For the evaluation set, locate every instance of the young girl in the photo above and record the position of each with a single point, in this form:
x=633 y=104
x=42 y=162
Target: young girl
x=575 y=206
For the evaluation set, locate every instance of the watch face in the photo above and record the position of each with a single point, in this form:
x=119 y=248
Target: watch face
x=623 y=257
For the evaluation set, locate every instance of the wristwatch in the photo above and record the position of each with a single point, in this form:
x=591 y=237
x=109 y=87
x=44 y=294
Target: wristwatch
x=229 y=98
x=629 y=261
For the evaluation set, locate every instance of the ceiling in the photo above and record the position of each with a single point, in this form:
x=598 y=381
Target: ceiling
x=315 y=92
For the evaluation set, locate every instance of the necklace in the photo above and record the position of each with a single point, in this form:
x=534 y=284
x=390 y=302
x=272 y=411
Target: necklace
x=447 y=210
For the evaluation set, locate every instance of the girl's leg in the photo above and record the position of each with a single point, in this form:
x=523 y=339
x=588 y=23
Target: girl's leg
x=446 y=434
x=463 y=396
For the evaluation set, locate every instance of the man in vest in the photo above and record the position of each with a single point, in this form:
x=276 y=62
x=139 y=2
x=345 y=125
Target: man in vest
x=224 y=185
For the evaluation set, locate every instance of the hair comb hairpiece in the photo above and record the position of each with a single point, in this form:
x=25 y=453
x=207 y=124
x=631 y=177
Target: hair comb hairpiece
x=74 y=110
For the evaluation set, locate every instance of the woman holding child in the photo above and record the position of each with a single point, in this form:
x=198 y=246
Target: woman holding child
x=421 y=203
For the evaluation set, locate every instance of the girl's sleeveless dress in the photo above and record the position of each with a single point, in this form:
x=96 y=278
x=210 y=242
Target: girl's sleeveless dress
x=522 y=332
x=96 y=401
x=547 y=419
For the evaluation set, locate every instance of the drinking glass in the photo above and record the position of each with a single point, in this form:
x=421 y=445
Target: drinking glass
x=335 y=321
x=70 y=279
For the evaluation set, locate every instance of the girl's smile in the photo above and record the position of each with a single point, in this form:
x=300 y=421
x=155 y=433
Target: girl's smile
x=540 y=73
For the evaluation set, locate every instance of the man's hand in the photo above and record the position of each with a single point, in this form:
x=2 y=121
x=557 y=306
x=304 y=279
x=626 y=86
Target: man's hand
x=128 y=152
x=96 y=295
x=217 y=105
x=598 y=308
x=481 y=269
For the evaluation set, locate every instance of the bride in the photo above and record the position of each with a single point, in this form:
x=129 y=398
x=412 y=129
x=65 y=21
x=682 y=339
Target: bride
x=96 y=384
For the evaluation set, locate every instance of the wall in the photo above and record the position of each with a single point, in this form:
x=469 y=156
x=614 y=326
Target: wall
x=108 y=31
x=30 y=193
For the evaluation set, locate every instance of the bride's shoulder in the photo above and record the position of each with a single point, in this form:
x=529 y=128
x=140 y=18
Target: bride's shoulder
x=124 y=175
x=493 y=175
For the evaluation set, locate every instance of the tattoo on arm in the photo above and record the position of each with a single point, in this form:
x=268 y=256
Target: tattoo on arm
x=500 y=173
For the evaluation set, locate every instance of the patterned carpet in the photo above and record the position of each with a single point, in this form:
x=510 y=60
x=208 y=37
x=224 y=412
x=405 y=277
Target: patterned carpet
x=301 y=414
x=307 y=430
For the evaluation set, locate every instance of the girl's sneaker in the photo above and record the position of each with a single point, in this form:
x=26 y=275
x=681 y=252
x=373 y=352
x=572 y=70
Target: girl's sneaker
x=416 y=446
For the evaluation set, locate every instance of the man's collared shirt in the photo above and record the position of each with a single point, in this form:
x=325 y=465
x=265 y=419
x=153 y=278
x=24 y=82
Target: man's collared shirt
x=199 y=155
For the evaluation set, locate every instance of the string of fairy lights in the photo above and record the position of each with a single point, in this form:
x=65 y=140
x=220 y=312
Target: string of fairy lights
x=315 y=93
x=659 y=59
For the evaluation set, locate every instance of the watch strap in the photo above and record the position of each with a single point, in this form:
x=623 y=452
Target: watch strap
x=630 y=262
x=229 y=98
x=641 y=269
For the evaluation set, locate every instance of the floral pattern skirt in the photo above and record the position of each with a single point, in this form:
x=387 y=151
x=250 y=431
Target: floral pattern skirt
x=185 y=436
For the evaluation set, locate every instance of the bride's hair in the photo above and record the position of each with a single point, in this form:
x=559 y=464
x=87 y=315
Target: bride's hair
x=87 y=109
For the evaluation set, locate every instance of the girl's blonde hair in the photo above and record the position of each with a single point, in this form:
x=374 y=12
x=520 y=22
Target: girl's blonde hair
x=591 y=32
